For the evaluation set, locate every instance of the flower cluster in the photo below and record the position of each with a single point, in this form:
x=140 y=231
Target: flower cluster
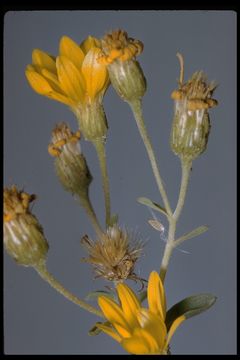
x=79 y=77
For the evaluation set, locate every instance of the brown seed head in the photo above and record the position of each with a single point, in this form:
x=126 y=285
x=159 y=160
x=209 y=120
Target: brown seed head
x=114 y=255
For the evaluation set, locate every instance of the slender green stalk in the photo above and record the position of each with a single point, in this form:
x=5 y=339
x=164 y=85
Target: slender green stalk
x=137 y=111
x=100 y=148
x=186 y=169
x=87 y=205
x=43 y=272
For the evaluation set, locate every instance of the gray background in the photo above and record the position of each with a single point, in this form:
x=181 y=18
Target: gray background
x=37 y=320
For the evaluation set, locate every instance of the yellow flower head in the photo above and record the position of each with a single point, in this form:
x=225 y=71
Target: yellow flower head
x=117 y=45
x=139 y=330
x=191 y=123
x=74 y=77
x=196 y=93
x=119 y=53
x=70 y=164
x=23 y=236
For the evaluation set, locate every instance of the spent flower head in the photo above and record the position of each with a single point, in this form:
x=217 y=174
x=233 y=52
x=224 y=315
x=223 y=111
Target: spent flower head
x=137 y=329
x=23 y=235
x=118 y=53
x=191 y=124
x=71 y=166
x=75 y=78
x=114 y=254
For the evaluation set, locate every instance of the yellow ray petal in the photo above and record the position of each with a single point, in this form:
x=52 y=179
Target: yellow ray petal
x=156 y=295
x=123 y=331
x=70 y=79
x=52 y=79
x=95 y=74
x=154 y=325
x=42 y=59
x=109 y=331
x=149 y=338
x=71 y=50
x=89 y=43
x=61 y=98
x=38 y=82
x=130 y=304
x=112 y=312
x=174 y=327
x=136 y=345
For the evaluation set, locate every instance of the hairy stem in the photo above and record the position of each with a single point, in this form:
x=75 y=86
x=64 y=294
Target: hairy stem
x=100 y=148
x=43 y=272
x=186 y=169
x=87 y=205
x=137 y=111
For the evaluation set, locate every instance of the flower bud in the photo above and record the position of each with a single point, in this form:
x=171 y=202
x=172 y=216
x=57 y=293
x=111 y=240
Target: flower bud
x=23 y=235
x=71 y=166
x=126 y=75
x=191 y=123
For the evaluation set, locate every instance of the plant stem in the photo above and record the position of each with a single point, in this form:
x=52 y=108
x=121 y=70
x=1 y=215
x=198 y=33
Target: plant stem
x=137 y=112
x=100 y=148
x=43 y=272
x=86 y=204
x=186 y=169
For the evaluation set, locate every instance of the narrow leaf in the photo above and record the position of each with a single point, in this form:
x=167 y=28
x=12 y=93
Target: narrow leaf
x=95 y=330
x=151 y=204
x=189 y=307
x=96 y=294
x=191 y=234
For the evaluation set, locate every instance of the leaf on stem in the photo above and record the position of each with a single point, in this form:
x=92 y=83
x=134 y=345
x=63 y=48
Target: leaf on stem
x=95 y=330
x=95 y=294
x=189 y=307
x=191 y=234
x=147 y=202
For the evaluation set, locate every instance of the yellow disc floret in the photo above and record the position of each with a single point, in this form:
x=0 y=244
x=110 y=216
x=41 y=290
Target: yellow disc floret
x=117 y=45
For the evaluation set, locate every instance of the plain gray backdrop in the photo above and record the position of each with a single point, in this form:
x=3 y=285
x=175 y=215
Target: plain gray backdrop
x=38 y=320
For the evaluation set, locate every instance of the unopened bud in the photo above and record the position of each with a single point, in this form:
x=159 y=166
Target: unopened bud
x=126 y=75
x=23 y=235
x=71 y=166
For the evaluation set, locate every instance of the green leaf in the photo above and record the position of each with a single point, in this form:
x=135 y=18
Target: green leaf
x=151 y=204
x=95 y=294
x=95 y=330
x=189 y=307
x=191 y=234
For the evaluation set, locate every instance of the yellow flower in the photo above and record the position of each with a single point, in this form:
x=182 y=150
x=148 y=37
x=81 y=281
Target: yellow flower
x=23 y=236
x=119 y=53
x=139 y=330
x=74 y=77
x=191 y=123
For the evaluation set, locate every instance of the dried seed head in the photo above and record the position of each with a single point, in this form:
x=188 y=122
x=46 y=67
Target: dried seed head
x=114 y=255
x=23 y=235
